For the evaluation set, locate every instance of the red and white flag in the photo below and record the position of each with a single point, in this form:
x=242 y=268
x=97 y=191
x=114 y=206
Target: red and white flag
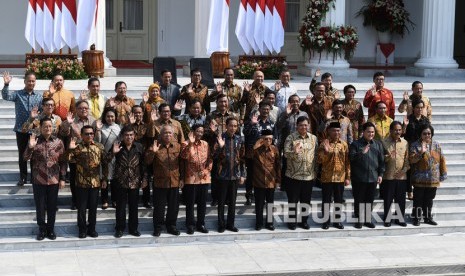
x=68 y=22
x=49 y=8
x=86 y=23
x=250 y=24
x=268 y=33
x=39 y=25
x=218 y=28
x=279 y=17
x=29 y=31
x=241 y=27
x=57 y=39
x=259 y=30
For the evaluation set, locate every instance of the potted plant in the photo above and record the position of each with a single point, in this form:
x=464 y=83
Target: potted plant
x=387 y=17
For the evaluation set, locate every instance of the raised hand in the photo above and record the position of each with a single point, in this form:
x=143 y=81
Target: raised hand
x=298 y=148
x=35 y=112
x=178 y=105
x=326 y=145
x=406 y=121
x=112 y=102
x=145 y=97
x=219 y=87
x=132 y=119
x=84 y=94
x=191 y=137
x=257 y=98
x=70 y=117
x=32 y=141
x=254 y=119
x=329 y=114
x=99 y=124
x=72 y=143
x=154 y=115
x=405 y=96
x=317 y=73
x=220 y=141
x=190 y=88
x=337 y=95
x=213 y=126
x=116 y=147
x=247 y=86
x=155 y=147
x=51 y=88
x=6 y=77
x=277 y=85
x=289 y=109
x=424 y=147
x=373 y=90
x=308 y=99
x=366 y=148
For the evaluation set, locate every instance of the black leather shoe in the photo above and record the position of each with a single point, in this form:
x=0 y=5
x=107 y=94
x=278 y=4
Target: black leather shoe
x=291 y=226
x=338 y=225
x=156 y=233
x=190 y=230
x=387 y=224
x=202 y=229
x=82 y=235
x=105 y=206
x=369 y=225
x=73 y=207
x=147 y=205
x=221 y=229
x=269 y=226
x=134 y=233
x=92 y=234
x=118 y=234
x=304 y=225
x=214 y=203
x=232 y=228
x=325 y=226
x=51 y=235
x=403 y=224
x=173 y=231
x=40 y=236
x=430 y=222
x=258 y=227
x=416 y=222
x=248 y=202
x=358 y=225
x=20 y=183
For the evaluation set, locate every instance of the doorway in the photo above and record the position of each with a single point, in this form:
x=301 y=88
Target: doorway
x=127 y=24
x=459 y=37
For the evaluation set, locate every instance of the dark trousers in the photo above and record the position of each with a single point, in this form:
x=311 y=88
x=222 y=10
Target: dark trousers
x=364 y=195
x=284 y=178
x=262 y=194
x=72 y=183
x=423 y=201
x=408 y=184
x=298 y=191
x=22 y=139
x=394 y=190
x=248 y=180
x=227 y=189
x=215 y=181
x=195 y=194
x=45 y=197
x=161 y=198
x=111 y=186
x=330 y=190
x=87 y=198
x=129 y=197
x=146 y=191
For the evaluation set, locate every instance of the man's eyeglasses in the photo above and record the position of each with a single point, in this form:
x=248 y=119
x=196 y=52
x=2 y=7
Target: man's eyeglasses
x=88 y=134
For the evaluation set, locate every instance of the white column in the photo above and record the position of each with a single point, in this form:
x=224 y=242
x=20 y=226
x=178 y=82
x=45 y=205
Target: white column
x=335 y=17
x=437 y=42
x=101 y=33
x=202 y=13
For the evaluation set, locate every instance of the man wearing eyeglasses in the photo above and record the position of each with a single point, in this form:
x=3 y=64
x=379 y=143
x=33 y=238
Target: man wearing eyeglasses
x=379 y=93
x=89 y=158
x=71 y=128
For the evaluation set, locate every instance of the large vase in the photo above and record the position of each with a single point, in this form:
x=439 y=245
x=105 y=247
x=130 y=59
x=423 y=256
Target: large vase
x=384 y=37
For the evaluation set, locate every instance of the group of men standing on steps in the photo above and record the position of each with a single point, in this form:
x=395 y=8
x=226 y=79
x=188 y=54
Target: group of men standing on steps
x=258 y=136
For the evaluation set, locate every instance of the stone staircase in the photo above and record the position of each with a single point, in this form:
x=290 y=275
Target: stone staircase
x=17 y=212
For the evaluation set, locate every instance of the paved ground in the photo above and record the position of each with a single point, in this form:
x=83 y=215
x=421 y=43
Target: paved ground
x=284 y=256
